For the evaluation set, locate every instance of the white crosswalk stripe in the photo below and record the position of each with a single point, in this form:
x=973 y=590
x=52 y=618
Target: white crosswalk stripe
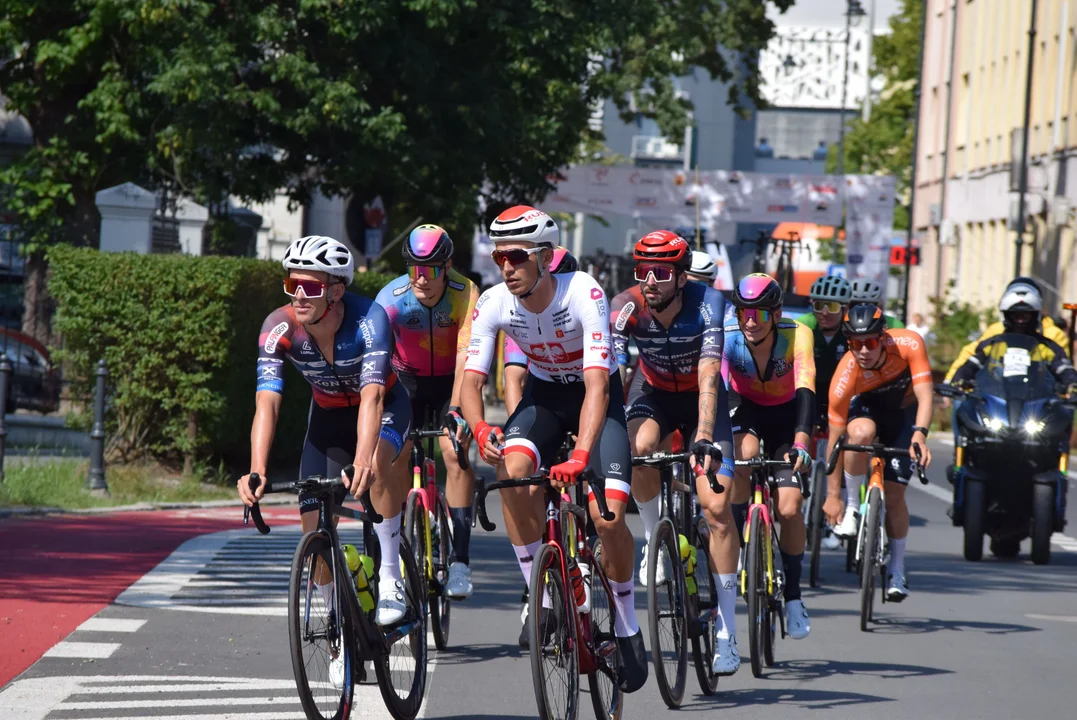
x=166 y=697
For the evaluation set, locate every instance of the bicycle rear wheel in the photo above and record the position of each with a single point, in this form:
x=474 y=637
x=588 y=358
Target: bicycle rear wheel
x=320 y=633
x=817 y=524
x=755 y=567
x=440 y=605
x=554 y=662
x=402 y=670
x=868 y=549
x=706 y=600
x=607 y=700
x=666 y=614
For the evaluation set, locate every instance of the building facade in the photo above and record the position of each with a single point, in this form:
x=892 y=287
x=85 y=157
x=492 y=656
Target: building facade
x=971 y=117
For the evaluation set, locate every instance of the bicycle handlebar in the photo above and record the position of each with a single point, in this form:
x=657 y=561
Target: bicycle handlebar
x=314 y=483
x=663 y=459
x=542 y=477
x=461 y=454
x=877 y=450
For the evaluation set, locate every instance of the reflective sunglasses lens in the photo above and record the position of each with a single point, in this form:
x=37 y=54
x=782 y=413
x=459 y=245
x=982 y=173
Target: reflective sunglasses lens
x=516 y=256
x=759 y=315
x=311 y=288
x=430 y=272
x=864 y=344
x=661 y=273
x=829 y=306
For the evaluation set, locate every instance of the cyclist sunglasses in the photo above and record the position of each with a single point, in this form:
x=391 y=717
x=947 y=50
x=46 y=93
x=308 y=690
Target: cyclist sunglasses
x=864 y=343
x=758 y=314
x=830 y=306
x=430 y=272
x=515 y=256
x=660 y=273
x=312 y=289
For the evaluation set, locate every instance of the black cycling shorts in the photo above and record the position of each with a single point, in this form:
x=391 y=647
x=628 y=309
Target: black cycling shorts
x=672 y=411
x=550 y=410
x=775 y=426
x=893 y=428
x=430 y=398
x=332 y=436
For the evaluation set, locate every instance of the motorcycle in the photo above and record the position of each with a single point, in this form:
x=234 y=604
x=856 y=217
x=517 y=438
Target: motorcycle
x=1011 y=460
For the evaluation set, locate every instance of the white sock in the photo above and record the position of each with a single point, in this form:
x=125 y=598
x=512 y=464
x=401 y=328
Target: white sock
x=726 y=584
x=648 y=513
x=897 y=556
x=388 y=532
x=327 y=593
x=525 y=555
x=852 y=489
x=624 y=600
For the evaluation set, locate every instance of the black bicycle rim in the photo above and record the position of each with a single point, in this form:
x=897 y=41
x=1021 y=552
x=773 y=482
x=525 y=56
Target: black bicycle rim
x=706 y=599
x=757 y=592
x=667 y=616
x=309 y=621
x=867 y=559
x=402 y=671
x=554 y=664
x=607 y=700
x=440 y=605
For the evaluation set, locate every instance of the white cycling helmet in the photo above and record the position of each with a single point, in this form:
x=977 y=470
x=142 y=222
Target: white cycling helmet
x=320 y=254
x=1021 y=296
x=865 y=290
x=703 y=266
x=527 y=224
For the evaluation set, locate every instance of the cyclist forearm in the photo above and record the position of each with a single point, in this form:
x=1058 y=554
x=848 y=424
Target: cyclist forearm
x=513 y=384
x=593 y=412
x=833 y=481
x=471 y=398
x=925 y=399
x=266 y=411
x=708 y=399
x=368 y=425
x=458 y=378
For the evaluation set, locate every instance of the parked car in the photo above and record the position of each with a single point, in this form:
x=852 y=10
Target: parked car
x=35 y=383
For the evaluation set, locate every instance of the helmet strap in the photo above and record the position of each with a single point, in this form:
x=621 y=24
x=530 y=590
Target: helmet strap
x=534 y=287
x=328 y=309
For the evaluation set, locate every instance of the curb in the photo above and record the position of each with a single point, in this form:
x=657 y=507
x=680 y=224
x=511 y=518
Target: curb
x=20 y=512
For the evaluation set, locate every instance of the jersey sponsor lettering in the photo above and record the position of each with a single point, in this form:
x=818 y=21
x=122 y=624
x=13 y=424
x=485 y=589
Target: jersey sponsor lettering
x=274 y=337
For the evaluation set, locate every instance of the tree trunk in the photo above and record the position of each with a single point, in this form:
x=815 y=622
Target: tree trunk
x=36 y=301
x=192 y=438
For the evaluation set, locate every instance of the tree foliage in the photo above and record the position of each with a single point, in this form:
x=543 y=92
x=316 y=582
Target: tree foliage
x=425 y=102
x=883 y=144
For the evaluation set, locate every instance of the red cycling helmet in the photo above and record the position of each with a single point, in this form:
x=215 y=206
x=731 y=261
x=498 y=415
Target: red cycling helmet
x=663 y=246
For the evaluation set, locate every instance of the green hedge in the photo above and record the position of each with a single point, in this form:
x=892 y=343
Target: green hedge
x=180 y=335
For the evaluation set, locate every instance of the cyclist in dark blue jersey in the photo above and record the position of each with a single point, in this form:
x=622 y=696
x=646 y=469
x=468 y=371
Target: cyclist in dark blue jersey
x=359 y=414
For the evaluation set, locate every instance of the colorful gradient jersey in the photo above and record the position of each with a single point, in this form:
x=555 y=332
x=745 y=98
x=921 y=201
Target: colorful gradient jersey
x=669 y=357
x=360 y=353
x=791 y=365
x=427 y=339
x=513 y=354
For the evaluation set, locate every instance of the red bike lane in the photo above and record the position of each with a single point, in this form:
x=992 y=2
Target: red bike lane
x=56 y=572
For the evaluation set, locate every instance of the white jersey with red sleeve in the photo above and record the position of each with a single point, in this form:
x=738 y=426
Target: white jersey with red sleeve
x=571 y=335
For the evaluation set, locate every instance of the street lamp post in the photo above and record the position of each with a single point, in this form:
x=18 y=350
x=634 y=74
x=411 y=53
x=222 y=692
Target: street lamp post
x=1022 y=182
x=853 y=13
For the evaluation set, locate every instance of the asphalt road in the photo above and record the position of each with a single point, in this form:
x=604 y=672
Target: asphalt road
x=203 y=637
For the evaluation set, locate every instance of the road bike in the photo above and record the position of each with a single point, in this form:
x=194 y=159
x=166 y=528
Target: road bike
x=815 y=519
x=783 y=248
x=571 y=639
x=428 y=529
x=684 y=606
x=335 y=623
x=763 y=578
x=871 y=546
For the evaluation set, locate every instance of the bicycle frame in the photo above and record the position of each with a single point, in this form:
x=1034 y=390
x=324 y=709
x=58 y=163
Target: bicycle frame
x=591 y=659
x=761 y=503
x=429 y=497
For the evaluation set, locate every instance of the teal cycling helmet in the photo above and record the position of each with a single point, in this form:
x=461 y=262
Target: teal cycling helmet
x=831 y=287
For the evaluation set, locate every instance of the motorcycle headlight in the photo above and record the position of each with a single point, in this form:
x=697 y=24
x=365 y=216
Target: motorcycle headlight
x=1033 y=426
x=993 y=423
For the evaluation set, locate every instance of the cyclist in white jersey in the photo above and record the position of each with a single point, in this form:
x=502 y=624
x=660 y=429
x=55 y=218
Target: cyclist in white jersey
x=561 y=322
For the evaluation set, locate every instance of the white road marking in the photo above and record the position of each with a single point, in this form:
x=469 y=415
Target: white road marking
x=96 y=624
x=1057 y=618
x=37 y=698
x=87 y=650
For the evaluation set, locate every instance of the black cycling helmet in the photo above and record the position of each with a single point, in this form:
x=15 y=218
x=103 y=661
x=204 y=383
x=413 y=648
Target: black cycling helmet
x=863 y=319
x=758 y=290
x=831 y=287
x=427 y=245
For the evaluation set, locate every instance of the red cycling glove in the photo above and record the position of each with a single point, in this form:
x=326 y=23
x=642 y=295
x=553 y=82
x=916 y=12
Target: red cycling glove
x=483 y=431
x=567 y=472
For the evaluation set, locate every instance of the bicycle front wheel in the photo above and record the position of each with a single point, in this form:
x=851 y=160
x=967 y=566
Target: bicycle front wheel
x=667 y=616
x=401 y=670
x=554 y=663
x=706 y=604
x=416 y=520
x=756 y=570
x=870 y=540
x=816 y=522
x=320 y=634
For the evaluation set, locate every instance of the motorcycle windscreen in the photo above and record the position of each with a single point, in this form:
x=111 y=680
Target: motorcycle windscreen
x=1014 y=384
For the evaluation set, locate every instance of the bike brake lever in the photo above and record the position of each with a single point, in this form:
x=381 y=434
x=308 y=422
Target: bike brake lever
x=254 y=511
x=368 y=504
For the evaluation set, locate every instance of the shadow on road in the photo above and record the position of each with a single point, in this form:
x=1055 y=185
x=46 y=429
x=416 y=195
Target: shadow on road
x=802 y=699
x=918 y=626
x=808 y=670
x=469 y=654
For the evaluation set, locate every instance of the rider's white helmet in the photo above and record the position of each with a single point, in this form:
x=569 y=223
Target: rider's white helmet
x=703 y=266
x=527 y=224
x=319 y=253
x=1021 y=296
x=865 y=290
